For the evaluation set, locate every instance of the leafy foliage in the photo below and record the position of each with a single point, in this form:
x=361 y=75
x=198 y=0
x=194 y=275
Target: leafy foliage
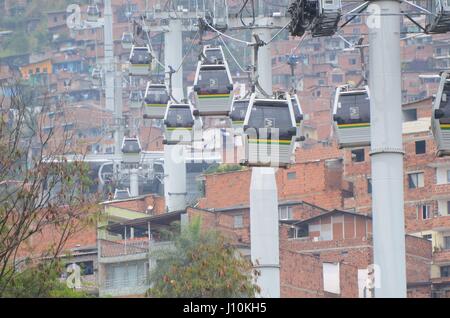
x=40 y=281
x=223 y=168
x=201 y=264
x=40 y=192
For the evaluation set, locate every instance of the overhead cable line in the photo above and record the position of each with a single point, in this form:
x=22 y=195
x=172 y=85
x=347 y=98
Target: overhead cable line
x=292 y=51
x=225 y=35
x=232 y=56
x=276 y=34
x=188 y=51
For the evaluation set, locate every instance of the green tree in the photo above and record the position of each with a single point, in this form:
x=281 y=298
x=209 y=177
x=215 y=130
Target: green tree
x=201 y=264
x=40 y=192
x=40 y=281
x=223 y=168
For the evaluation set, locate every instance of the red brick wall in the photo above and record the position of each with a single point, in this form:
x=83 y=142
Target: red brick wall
x=300 y=275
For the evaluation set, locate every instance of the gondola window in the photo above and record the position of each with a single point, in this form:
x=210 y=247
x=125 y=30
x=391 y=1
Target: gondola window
x=209 y=81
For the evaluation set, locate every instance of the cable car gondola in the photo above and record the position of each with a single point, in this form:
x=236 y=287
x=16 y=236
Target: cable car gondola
x=439 y=21
x=298 y=113
x=135 y=99
x=212 y=55
x=140 y=61
x=96 y=76
x=93 y=13
x=440 y=124
x=212 y=89
x=351 y=116
x=179 y=124
x=270 y=132
x=238 y=112
x=155 y=101
x=127 y=40
x=131 y=150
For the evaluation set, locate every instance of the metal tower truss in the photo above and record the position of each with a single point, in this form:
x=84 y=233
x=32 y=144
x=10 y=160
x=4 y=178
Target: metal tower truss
x=439 y=22
x=322 y=17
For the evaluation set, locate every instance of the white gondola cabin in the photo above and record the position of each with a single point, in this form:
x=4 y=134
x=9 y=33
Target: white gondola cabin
x=298 y=113
x=237 y=113
x=127 y=40
x=96 y=76
x=155 y=101
x=351 y=116
x=213 y=88
x=212 y=55
x=136 y=99
x=140 y=61
x=93 y=13
x=269 y=132
x=179 y=124
x=440 y=123
x=131 y=150
x=121 y=194
x=439 y=21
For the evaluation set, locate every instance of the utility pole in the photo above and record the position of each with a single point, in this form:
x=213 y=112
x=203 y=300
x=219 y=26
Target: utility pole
x=387 y=148
x=264 y=226
x=174 y=155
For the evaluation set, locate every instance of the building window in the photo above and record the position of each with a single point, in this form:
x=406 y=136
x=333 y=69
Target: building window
x=447 y=242
x=424 y=211
x=337 y=78
x=445 y=271
x=448 y=176
x=409 y=114
x=291 y=175
x=358 y=155
x=301 y=231
x=352 y=61
x=369 y=185
x=428 y=237
x=238 y=221
x=285 y=212
x=415 y=180
x=420 y=147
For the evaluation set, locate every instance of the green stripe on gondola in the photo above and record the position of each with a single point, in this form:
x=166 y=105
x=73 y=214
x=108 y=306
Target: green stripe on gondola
x=361 y=125
x=445 y=126
x=178 y=128
x=141 y=65
x=238 y=122
x=269 y=141
x=214 y=96
x=155 y=105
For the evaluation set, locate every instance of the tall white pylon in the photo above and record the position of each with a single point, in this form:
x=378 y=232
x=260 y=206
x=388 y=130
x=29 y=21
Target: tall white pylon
x=264 y=227
x=174 y=158
x=386 y=148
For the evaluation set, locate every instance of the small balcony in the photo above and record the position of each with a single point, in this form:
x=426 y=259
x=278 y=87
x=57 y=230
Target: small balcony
x=122 y=247
x=441 y=255
x=441 y=189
